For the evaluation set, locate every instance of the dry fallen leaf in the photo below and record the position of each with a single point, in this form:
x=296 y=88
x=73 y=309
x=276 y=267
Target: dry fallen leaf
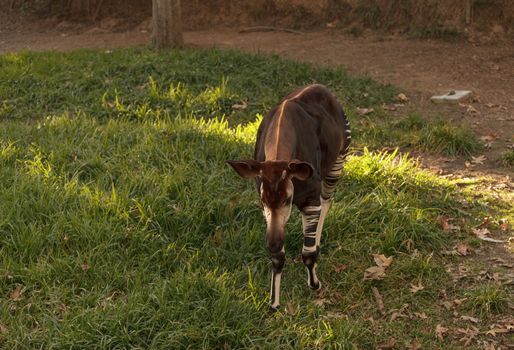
x=487 y=139
x=478 y=160
x=340 y=267
x=321 y=302
x=504 y=225
x=471 y=109
x=364 y=111
x=378 y=272
x=289 y=308
x=402 y=97
x=374 y=273
x=495 y=331
x=16 y=294
x=440 y=331
x=462 y=249
x=240 y=106
x=84 y=267
x=421 y=315
x=459 y=301
x=469 y=334
x=469 y=318
x=382 y=260
x=481 y=231
x=486 y=222
x=3 y=329
x=388 y=344
x=378 y=299
x=388 y=107
x=414 y=289
x=444 y=221
x=413 y=345
x=396 y=313
x=482 y=234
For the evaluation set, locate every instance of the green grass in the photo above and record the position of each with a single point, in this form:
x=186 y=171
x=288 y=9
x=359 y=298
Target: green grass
x=487 y=299
x=507 y=159
x=124 y=227
x=436 y=136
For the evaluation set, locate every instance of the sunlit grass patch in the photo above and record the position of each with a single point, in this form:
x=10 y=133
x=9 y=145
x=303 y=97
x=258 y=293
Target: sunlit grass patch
x=416 y=132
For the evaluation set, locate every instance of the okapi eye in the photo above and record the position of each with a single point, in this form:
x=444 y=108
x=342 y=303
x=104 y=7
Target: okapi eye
x=288 y=200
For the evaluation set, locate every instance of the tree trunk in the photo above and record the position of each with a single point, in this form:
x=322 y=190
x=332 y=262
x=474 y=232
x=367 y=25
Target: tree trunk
x=167 y=23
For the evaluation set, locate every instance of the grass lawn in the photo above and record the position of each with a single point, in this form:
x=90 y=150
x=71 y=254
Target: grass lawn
x=121 y=225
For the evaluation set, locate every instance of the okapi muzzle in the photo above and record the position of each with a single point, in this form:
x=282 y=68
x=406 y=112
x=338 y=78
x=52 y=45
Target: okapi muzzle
x=299 y=153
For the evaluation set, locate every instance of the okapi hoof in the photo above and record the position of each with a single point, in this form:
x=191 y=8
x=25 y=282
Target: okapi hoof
x=273 y=309
x=316 y=286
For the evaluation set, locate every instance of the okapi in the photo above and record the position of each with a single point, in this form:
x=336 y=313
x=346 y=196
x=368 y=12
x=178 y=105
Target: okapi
x=299 y=152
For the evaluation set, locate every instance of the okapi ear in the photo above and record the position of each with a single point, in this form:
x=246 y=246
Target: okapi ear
x=301 y=170
x=247 y=168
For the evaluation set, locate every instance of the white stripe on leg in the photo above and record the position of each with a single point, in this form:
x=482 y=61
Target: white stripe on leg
x=275 y=289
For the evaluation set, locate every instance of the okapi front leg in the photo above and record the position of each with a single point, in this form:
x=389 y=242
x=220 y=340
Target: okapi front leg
x=277 y=263
x=310 y=251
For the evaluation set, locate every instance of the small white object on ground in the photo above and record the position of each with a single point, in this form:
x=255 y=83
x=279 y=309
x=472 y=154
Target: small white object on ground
x=453 y=96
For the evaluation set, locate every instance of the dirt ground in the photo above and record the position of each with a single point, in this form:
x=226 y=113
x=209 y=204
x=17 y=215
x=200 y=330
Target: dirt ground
x=421 y=68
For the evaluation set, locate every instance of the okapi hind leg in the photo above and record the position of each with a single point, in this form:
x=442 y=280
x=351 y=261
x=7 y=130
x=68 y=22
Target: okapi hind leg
x=327 y=190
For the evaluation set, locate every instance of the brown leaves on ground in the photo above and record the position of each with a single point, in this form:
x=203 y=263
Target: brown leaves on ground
x=326 y=296
x=364 y=111
x=378 y=272
x=467 y=334
x=340 y=267
x=475 y=161
x=388 y=344
x=378 y=300
x=382 y=261
x=240 y=106
x=290 y=309
x=504 y=225
x=416 y=288
x=488 y=140
x=399 y=313
x=374 y=273
x=413 y=345
x=17 y=293
x=482 y=234
x=502 y=326
x=440 y=331
x=446 y=224
x=462 y=249
x=402 y=97
x=421 y=315
x=469 y=318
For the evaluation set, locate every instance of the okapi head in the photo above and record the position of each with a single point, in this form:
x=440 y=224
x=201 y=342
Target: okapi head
x=274 y=178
